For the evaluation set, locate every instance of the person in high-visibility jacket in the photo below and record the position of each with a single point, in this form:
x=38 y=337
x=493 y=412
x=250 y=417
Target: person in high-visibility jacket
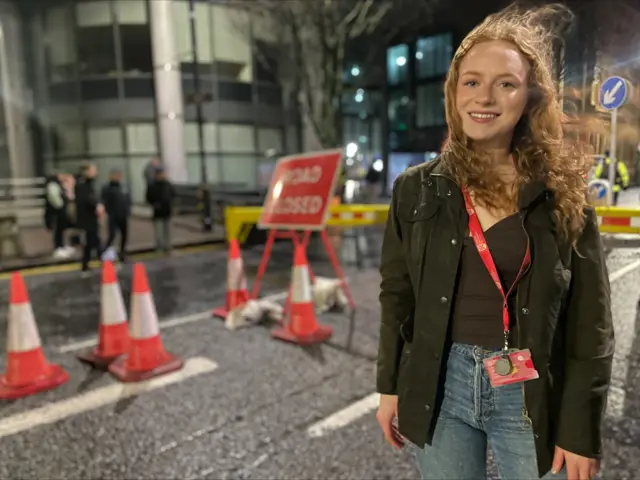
x=622 y=175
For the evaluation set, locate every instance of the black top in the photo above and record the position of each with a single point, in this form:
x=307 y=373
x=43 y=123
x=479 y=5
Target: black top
x=477 y=310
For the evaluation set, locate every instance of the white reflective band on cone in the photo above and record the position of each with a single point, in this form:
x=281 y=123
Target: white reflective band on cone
x=235 y=276
x=23 y=333
x=301 y=289
x=635 y=221
x=112 y=311
x=599 y=220
x=144 y=319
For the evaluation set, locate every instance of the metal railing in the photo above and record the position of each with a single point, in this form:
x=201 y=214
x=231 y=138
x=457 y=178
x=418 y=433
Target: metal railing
x=23 y=199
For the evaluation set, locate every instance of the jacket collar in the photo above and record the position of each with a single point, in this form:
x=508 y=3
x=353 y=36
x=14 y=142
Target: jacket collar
x=530 y=193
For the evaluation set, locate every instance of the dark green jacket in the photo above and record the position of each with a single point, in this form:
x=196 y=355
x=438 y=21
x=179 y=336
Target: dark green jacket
x=563 y=313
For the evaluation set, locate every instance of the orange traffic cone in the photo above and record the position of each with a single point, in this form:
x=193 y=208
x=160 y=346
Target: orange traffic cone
x=146 y=357
x=302 y=326
x=113 y=334
x=237 y=293
x=28 y=371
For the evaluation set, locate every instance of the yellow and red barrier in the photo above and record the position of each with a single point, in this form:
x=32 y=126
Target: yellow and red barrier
x=240 y=220
x=618 y=219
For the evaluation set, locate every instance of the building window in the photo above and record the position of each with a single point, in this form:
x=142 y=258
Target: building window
x=142 y=138
x=204 y=36
x=433 y=55
x=237 y=138
x=68 y=140
x=135 y=36
x=430 y=105
x=105 y=140
x=239 y=171
x=399 y=113
x=61 y=46
x=397 y=64
x=210 y=137
x=270 y=139
x=231 y=44
x=96 y=44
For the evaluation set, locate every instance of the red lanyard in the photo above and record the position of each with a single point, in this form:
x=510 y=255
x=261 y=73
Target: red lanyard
x=483 y=249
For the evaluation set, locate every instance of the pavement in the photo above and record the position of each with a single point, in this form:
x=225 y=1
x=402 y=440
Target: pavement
x=245 y=405
x=38 y=247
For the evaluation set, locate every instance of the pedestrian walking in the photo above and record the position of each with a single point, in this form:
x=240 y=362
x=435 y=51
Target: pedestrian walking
x=160 y=196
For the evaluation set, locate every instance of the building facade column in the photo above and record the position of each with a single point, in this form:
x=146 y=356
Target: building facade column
x=17 y=102
x=168 y=85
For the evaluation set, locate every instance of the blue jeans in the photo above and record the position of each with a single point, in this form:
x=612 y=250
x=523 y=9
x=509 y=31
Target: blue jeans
x=473 y=416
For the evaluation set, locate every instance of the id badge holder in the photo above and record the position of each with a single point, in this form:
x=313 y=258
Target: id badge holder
x=512 y=366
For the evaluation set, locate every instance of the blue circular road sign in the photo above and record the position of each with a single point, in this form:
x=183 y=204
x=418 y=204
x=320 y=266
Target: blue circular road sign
x=613 y=93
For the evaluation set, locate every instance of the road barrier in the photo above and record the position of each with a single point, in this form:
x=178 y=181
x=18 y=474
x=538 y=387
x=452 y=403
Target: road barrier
x=618 y=219
x=240 y=222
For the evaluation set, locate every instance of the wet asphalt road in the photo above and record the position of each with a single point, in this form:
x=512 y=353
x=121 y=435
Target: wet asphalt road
x=249 y=418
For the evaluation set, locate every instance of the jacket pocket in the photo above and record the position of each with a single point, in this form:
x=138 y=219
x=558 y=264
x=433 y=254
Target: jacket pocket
x=416 y=221
x=403 y=367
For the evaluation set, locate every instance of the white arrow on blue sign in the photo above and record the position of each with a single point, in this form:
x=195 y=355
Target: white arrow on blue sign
x=613 y=93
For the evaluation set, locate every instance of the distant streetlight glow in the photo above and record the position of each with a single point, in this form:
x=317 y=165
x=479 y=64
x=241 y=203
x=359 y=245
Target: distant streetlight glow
x=351 y=149
x=355 y=71
x=401 y=61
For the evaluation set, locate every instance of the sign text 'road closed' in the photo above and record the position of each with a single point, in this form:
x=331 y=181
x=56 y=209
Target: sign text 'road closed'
x=300 y=191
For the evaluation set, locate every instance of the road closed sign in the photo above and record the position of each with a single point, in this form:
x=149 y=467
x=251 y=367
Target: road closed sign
x=300 y=191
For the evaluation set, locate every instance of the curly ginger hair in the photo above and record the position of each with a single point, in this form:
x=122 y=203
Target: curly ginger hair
x=541 y=149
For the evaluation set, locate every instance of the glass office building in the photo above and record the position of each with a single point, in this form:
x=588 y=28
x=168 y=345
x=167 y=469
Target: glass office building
x=112 y=82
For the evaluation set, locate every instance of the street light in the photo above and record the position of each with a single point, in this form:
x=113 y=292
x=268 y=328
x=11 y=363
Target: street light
x=199 y=98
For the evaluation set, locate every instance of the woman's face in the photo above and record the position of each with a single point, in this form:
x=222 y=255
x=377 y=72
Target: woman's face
x=492 y=92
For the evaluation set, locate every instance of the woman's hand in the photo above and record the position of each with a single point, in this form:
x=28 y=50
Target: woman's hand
x=578 y=467
x=387 y=413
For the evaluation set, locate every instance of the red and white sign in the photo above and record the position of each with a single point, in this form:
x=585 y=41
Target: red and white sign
x=300 y=191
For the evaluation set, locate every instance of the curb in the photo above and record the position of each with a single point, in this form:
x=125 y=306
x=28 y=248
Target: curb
x=54 y=263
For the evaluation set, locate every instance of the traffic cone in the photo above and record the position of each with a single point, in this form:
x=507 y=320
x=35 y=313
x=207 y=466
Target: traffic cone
x=113 y=333
x=302 y=326
x=146 y=357
x=28 y=371
x=237 y=293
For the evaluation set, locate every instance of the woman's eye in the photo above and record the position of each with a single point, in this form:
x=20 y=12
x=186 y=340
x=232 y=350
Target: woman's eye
x=471 y=83
x=507 y=85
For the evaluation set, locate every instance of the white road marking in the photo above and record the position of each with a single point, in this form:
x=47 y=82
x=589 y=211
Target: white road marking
x=368 y=404
x=625 y=337
x=618 y=274
x=169 y=323
x=345 y=416
x=99 y=397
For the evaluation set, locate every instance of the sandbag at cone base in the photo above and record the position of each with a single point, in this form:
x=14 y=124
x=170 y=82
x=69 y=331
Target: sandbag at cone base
x=28 y=371
x=234 y=300
x=302 y=326
x=146 y=357
x=113 y=332
x=237 y=292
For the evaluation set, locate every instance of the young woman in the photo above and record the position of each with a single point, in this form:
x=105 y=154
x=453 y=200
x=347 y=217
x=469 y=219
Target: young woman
x=496 y=325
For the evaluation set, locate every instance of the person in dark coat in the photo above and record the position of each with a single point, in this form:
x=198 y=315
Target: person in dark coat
x=117 y=204
x=160 y=196
x=496 y=324
x=88 y=210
